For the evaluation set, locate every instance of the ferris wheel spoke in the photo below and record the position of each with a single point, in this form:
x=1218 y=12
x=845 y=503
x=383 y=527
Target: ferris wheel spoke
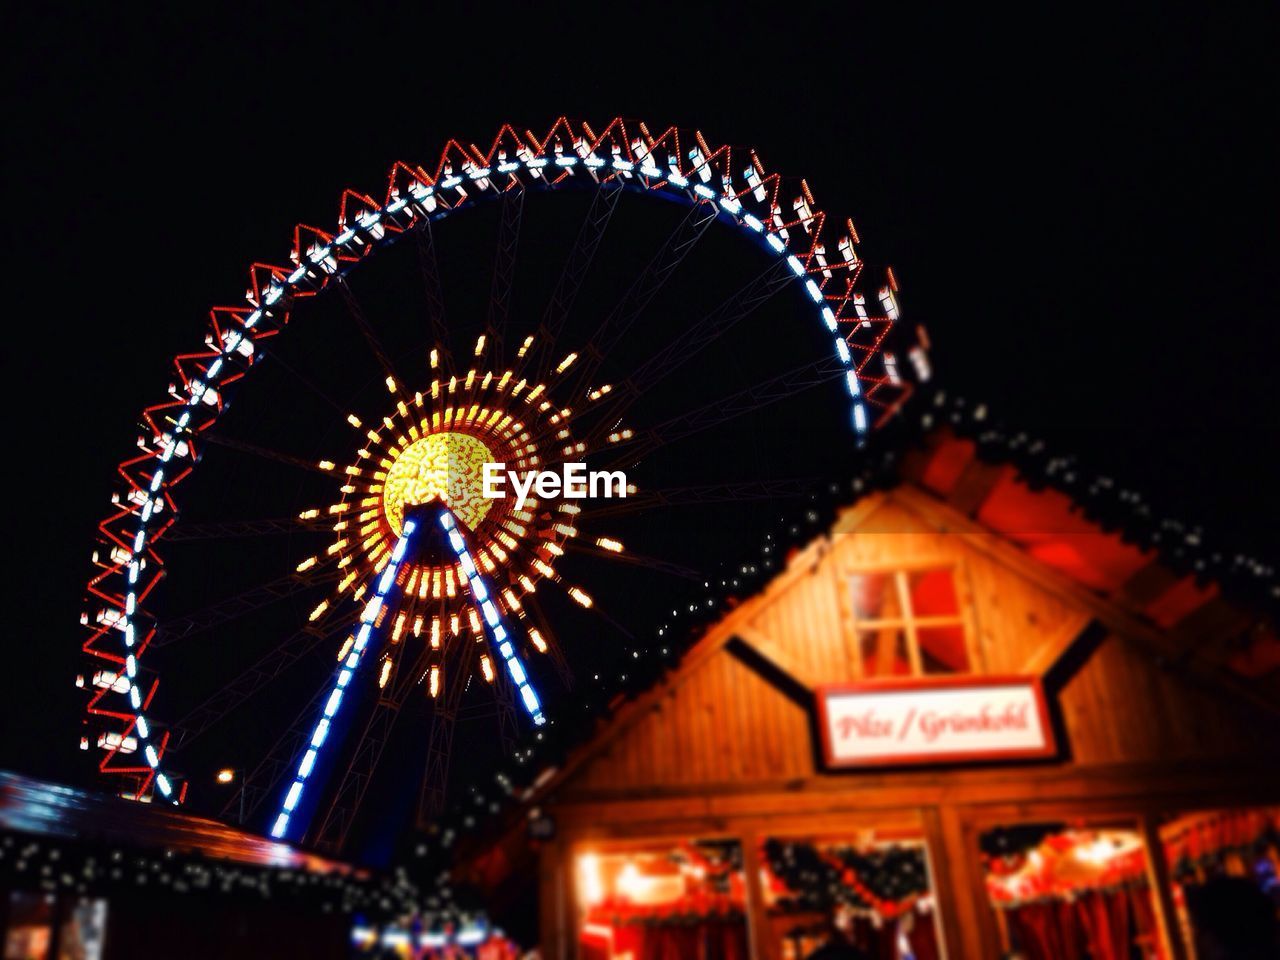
x=429 y=267
x=435 y=776
x=685 y=347
x=504 y=267
x=641 y=293
x=266 y=453
x=370 y=628
x=639 y=560
x=241 y=529
x=280 y=760
x=299 y=376
x=593 y=607
x=240 y=689
x=703 y=495
x=504 y=713
x=694 y=339
x=577 y=264
x=242 y=604
x=722 y=410
x=444 y=720
x=348 y=796
x=553 y=651
x=366 y=330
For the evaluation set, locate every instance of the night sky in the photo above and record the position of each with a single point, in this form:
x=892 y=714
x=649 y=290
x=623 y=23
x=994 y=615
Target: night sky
x=1078 y=209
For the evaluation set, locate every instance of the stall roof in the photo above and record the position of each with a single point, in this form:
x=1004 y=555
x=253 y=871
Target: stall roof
x=1205 y=608
x=40 y=808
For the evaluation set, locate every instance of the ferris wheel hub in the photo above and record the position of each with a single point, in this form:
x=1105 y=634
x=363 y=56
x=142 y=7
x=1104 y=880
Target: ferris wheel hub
x=440 y=466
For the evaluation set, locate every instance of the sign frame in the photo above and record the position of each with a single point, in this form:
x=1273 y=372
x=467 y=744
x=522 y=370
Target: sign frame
x=823 y=692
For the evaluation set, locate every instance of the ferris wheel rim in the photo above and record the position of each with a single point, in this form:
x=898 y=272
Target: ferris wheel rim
x=415 y=199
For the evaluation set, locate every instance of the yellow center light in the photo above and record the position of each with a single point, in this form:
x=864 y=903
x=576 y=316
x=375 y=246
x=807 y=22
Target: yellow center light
x=445 y=466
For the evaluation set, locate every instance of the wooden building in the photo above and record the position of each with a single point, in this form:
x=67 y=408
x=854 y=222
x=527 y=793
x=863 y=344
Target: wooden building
x=1160 y=713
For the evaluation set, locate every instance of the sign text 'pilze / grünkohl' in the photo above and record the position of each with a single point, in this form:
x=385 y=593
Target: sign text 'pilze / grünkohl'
x=939 y=720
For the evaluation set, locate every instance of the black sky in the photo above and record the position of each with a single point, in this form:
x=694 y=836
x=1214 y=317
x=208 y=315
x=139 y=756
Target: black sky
x=1079 y=208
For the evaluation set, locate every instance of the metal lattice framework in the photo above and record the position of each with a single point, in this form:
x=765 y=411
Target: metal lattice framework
x=528 y=403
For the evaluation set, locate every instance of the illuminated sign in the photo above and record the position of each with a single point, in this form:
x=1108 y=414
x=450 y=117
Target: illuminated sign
x=903 y=722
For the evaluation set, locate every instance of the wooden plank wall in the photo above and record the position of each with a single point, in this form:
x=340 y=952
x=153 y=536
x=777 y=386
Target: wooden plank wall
x=725 y=723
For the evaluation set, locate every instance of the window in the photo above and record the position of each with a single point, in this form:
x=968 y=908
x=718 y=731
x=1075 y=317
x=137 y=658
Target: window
x=909 y=622
x=875 y=887
x=1218 y=857
x=662 y=899
x=1080 y=890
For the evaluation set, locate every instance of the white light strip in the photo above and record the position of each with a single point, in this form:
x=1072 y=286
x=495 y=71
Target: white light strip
x=673 y=181
x=348 y=668
x=170 y=444
x=493 y=620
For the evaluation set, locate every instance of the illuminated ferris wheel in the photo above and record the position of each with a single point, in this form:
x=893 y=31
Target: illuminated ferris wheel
x=351 y=411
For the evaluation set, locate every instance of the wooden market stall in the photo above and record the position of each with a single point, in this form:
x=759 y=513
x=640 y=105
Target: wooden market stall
x=956 y=723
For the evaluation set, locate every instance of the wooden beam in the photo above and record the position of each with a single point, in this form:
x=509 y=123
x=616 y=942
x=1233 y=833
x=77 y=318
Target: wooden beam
x=759 y=942
x=551 y=903
x=1057 y=645
x=1206 y=628
x=947 y=882
x=1161 y=883
x=972 y=923
x=1184 y=784
x=1147 y=585
x=772 y=651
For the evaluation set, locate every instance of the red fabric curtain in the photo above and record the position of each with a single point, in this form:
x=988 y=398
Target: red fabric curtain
x=924 y=938
x=709 y=940
x=1070 y=936
x=1122 y=931
x=875 y=942
x=1035 y=927
x=733 y=941
x=881 y=943
x=669 y=943
x=629 y=938
x=1144 y=920
x=1105 y=916
x=1099 y=925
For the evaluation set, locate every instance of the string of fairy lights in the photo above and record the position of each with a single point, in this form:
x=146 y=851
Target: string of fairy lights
x=56 y=866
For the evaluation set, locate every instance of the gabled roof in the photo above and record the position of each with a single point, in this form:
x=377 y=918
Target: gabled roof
x=1075 y=563
x=1155 y=580
x=1068 y=498
x=1209 y=603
